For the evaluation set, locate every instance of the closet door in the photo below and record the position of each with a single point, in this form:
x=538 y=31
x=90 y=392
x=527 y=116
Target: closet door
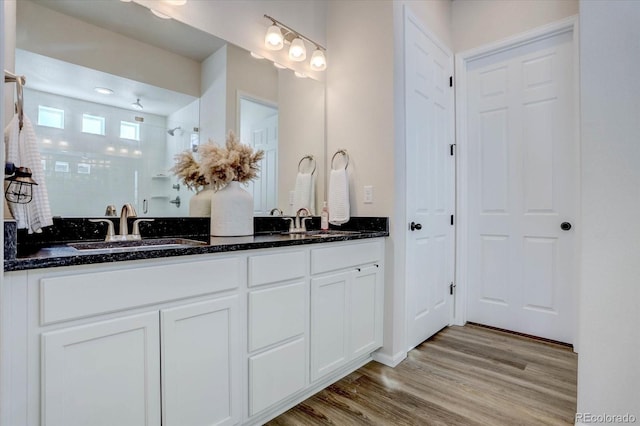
x=523 y=188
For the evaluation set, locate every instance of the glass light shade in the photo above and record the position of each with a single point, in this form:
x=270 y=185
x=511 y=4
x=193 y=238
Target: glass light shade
x=274 y=40
x=318 y=61
x=160 y=14
x=297 y=51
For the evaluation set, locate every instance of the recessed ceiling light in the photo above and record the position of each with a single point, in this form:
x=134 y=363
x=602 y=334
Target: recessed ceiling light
x=103 y=90
x=63 y=143
x=257 y=56
x=160 y=14
x=110 y=149
x=279 y=66
x=123 y=150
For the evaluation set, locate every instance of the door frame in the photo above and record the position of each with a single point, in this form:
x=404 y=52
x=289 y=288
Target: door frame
x=461 y=63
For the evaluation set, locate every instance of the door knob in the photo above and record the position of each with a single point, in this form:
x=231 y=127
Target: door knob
x=565 y=226
x=415 y=226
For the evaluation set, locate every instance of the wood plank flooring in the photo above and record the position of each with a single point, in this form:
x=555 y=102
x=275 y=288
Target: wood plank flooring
x=467 y=375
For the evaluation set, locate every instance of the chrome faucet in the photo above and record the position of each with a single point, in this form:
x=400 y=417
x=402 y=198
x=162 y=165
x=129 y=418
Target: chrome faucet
x=126 y=212
x=276 y=210
x=300 y=219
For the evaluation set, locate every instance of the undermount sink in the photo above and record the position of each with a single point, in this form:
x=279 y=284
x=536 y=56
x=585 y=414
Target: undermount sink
x=150 y=244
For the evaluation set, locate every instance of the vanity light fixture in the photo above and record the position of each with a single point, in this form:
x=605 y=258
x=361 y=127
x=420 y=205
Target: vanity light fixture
x=103 y=90
x=297 y=51
x=137 y=104
x=318 y=61
x=176 y=2
x=257 y=56
x=300 y=74
x=279 y=66
x=274 y=40
x=278 y=34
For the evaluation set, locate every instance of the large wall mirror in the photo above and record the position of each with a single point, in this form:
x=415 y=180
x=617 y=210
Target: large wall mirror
x=115 y=92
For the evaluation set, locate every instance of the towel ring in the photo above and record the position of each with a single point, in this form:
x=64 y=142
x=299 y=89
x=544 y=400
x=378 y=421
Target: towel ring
x=344 y=154
x=311 y=159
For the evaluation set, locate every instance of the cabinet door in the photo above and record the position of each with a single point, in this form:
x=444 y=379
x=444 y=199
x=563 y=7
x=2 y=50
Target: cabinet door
x=276 y=374
x=365 y=311
x=200 y=369
x=329 y=327
x=102 y=374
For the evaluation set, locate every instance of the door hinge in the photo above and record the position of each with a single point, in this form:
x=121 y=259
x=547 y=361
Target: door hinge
x=451 y=81
x=451 y=287
x=452 y=147
x=452 y=220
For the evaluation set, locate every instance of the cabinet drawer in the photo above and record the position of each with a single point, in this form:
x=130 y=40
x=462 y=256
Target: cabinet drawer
x=66 y=297
x=271 y=268
x=345 y=256
x=276 y=374
x=276 y=314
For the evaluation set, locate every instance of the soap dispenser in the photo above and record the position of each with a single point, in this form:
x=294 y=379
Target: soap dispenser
x=324 y=217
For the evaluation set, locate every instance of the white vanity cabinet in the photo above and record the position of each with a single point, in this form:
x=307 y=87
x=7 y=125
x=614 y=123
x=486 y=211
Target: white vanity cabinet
x=213 y=339
x=137 y=343
x=278 y=310
x=346 y=305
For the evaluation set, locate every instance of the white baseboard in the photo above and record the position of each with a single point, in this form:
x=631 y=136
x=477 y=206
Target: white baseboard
x=389 y=361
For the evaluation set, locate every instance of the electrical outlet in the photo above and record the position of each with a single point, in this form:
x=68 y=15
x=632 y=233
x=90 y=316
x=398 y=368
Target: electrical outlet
x=368 y=194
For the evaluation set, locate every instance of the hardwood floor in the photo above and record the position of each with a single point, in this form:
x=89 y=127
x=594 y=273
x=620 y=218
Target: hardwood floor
x=467 y=375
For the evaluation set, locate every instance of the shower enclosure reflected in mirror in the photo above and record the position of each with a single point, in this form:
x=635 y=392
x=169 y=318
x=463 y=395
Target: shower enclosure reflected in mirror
x=102 y=149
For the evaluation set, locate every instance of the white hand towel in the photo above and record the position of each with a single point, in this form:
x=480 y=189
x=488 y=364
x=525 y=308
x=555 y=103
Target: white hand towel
x=339 y=207
x=22 y=150
x=303 y=191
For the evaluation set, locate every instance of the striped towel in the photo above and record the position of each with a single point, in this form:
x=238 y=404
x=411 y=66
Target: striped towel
x=22 y=150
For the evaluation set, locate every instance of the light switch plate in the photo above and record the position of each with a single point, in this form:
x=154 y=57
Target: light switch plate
x=368 y=194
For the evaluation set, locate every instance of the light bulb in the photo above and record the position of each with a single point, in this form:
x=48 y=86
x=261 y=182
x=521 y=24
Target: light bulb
x=274 y=40
x=297 y=51
x=318 y=61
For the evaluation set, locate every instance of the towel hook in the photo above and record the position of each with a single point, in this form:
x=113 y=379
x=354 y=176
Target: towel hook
x=20 y=82
x=311 y=159
x=344 y=154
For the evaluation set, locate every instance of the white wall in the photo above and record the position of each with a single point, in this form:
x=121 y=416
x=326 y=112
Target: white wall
x=608 y=363
x=213 y=110
x=478 y=22
x=9 y=57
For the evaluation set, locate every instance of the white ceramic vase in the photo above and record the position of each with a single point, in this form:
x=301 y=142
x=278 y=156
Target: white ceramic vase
x=232 y=211
x=200 y=203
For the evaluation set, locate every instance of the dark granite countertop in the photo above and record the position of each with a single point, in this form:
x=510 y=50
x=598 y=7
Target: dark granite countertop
x=59 y=253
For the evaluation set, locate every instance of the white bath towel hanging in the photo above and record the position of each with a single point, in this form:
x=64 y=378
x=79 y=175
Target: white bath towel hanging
x=304 y=192
x=339 y=208
x=22 y=150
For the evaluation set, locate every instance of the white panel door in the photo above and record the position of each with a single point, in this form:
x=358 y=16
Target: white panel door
x=200 y=363
x=264 y=136
x=430 y=182
x=522 y=185
x=103 y=374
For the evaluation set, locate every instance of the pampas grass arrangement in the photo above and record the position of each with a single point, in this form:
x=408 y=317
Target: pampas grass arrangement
x=219 y=165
